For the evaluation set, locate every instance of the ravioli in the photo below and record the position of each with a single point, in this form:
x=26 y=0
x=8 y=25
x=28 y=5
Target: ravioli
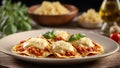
x=58 y=44
x=34 y=47
x=61 y=35
x=86 y=47
x=63 y=49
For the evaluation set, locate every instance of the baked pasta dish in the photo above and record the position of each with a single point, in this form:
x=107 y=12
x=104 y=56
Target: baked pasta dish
x=58 y=44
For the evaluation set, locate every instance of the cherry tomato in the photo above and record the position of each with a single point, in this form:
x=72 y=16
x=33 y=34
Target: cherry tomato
x=115 y=37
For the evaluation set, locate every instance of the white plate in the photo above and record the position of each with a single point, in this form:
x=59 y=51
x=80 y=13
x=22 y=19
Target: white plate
x=8 y=42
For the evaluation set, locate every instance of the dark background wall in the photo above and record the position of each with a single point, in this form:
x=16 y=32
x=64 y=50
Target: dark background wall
x=83 y=5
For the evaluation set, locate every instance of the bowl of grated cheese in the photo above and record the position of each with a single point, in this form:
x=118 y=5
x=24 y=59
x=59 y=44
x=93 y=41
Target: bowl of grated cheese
x=52 y=13
x=89 y=19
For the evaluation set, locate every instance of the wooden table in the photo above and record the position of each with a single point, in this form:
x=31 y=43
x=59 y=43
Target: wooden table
x=112 y=61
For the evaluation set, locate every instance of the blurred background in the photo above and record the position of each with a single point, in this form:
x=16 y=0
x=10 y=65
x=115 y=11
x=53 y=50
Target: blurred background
x=21 y=19
x=83 y=5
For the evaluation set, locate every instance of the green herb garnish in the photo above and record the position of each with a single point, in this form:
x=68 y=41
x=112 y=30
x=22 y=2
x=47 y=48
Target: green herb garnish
x=49 y=35
x=13 y=17
x=76 y=37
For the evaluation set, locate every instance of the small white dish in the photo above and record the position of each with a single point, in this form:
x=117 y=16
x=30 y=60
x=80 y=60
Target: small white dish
x=90 y=25
x=8 y=42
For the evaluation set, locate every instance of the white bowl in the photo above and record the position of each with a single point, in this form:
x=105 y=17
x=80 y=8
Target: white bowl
x=90 y=25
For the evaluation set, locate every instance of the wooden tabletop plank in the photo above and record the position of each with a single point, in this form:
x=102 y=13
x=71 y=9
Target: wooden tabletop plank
x=110 y=61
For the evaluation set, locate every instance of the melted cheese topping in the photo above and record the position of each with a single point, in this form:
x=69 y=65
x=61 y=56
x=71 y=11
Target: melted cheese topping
x=62 y=46
x=62 y=34
x=85 y=42
x=36 y=42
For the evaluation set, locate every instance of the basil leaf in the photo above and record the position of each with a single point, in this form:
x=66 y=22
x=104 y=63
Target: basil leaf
x=25 y=26
x=3 y=22
x=49 y=35
x=10 y=29
x=76 y=37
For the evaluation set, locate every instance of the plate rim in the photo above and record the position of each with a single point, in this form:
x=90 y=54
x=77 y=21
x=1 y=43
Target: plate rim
x=58 y=59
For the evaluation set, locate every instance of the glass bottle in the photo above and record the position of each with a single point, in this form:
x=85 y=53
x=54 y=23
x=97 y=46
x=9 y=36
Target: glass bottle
x=110 y=13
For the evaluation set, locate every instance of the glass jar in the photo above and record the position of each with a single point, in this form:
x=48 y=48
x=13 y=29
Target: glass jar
x=110 y=13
